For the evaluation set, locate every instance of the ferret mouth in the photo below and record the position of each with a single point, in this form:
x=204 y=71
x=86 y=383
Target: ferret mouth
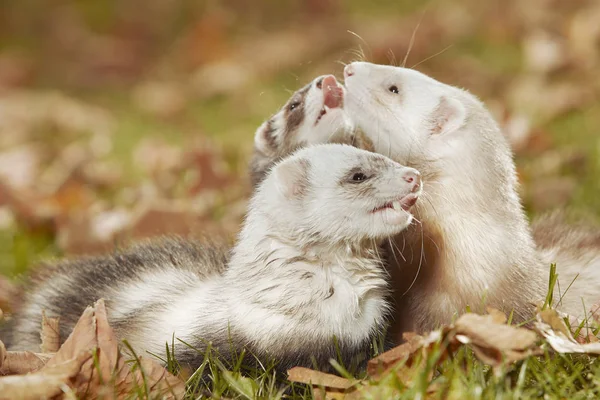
x=405 y=203
x=333 y=96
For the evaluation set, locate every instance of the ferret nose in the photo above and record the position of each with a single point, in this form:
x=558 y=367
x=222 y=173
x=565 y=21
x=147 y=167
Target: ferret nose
x=413 y=177
x=348 y=70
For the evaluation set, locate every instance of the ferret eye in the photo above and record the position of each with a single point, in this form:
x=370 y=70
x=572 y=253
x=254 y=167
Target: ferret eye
x=319 y=83
x=394 y=89
x=294 y=105
x=359 y=177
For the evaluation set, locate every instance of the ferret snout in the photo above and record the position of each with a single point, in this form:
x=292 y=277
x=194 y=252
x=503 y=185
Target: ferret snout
x=413 y=177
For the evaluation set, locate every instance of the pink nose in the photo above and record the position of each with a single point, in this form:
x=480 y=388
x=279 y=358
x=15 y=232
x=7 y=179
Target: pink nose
x=348 y=70
x=414 y=178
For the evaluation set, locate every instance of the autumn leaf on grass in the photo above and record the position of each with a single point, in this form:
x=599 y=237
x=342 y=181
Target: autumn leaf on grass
x=50 y=334
x=90 y=365
x=46 y=383
x=403 y=353
x=493 y=341
x=552 y=327
x=325 y=386
x=93 y=333
x=21 y=362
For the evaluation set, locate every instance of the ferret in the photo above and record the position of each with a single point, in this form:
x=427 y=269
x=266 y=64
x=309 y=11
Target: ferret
x=306 y=268
x=474 y=245
x=314 y=114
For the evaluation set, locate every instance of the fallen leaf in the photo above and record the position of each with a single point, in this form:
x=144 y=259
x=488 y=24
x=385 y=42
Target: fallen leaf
x=380 y=364
x=50 y=334
x=325 y=386
x=21 y=362
x=312 y=377
x=551 y=326
x=43 y=384
x=93 y=333
x=494 y=342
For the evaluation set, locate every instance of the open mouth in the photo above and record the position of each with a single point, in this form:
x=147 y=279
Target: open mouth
x=333 y=96
x=404 y=204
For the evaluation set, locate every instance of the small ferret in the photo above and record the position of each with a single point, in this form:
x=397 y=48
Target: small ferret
x=306 y=269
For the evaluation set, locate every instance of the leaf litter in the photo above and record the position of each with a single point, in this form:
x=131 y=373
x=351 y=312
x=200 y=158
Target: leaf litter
x=492 y=340
x=88 y=365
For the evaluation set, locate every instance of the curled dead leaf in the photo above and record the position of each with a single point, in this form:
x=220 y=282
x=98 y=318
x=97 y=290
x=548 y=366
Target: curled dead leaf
x=72 y=369
x=50 y=334
x=380 y=364
x=312 y=377
x=325 y=386
x=553 y=328
x=21 y=362
x=494 y=342
x=43 y=384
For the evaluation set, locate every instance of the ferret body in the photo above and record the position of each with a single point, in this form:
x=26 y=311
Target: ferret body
x=474 y=245
x=306 y=268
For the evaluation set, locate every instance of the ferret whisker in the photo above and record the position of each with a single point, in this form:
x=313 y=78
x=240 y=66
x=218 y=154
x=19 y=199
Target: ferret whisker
x=364 y=41
x=412 y=41
x=432 y=56
x=422 y=257
x=391 y=57
x=392 y=246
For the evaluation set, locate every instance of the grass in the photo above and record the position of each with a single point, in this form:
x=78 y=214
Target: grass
x=460 y=377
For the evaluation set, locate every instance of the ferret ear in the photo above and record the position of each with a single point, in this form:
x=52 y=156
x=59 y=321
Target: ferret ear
x=449 y=115
x=292 y=178
x=264 y=138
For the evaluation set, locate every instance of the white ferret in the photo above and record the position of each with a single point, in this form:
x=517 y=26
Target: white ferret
x=306 y=268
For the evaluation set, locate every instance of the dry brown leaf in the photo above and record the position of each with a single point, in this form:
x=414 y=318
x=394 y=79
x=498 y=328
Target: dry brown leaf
x=552 y=327
x=486 y=331
x=309 y=376
x=50 y=334
x=380 y=364
x=556 y=322
x=43 y=384
x=494 y=342
x=496 y=315
x=93 y=333
x=21 y=362
x=325 y=386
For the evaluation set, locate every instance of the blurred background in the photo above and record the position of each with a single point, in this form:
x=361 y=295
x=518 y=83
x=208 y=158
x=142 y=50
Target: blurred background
x=124 y=119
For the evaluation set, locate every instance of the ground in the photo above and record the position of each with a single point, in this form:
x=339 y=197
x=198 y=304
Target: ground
x=130 y=119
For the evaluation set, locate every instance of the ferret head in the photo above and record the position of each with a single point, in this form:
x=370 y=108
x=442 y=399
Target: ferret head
x=314 y=114
x=336 y=194
x=443 y=131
